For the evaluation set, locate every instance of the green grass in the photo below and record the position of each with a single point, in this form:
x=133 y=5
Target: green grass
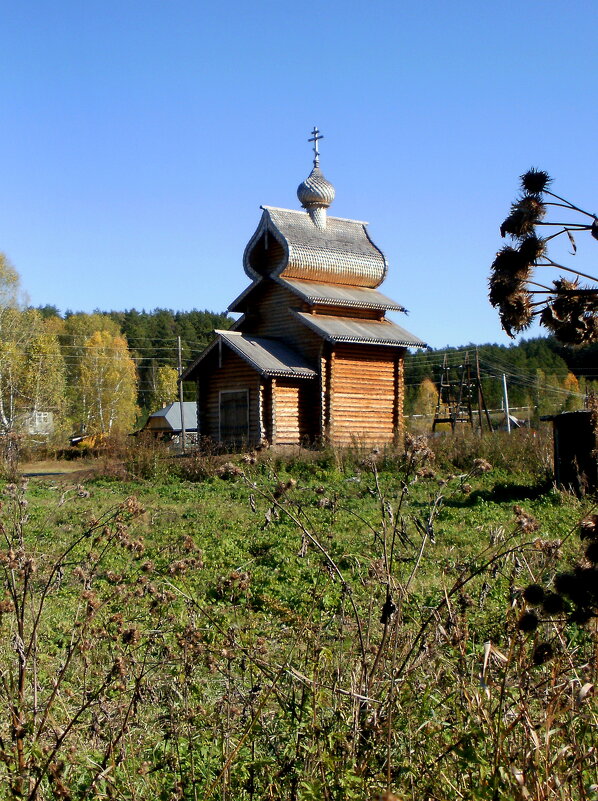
x=224 y=639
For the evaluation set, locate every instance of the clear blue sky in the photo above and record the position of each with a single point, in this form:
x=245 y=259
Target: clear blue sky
x=139 y=139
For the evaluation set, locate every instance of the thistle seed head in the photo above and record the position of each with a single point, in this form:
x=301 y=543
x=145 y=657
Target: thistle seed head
x=502 y=287
x=532 y=248
x=535 y=181
x=553 y=604
x=592 y=552
x=528 y=621
x=543 y=652
x=525 y=213
x=571 y=318
x=516 y=312
x=534 y=594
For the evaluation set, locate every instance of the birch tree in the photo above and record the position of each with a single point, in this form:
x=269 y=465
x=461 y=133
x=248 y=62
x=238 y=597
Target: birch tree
x=9 y=383
x=165 y=387
x=32 y=372
x=107 y=386
x=9 y=289
x=43 y=379
x=9 y=293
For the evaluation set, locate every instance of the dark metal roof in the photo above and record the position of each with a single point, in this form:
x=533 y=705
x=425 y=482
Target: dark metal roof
x=366 y=332
x=268 y=356
x=351 y=297
x=339 y=253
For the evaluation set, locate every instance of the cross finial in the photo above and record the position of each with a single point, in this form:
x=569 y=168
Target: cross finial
x=316 y=136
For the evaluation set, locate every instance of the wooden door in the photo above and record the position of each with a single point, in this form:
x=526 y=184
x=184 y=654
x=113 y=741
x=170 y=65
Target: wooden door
x=234 y=417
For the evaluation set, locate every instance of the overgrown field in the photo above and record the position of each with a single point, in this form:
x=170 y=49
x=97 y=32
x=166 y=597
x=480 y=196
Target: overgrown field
x=317 y=626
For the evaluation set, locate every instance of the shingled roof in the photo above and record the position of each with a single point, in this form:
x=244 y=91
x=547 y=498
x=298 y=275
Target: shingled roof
x=318 y=294
x=349 y=297
x=268 y=356
x=288 y=243
x=364 y=332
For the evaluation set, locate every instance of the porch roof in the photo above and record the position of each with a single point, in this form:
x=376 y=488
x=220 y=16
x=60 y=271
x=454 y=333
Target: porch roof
x=268 y=356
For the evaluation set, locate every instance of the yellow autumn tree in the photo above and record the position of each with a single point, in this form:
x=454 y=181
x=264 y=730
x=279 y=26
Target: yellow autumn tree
x=32 y=371
x=427 y=397
x=42 y=386
x=10 y=289
x=11 y=332
x=165 y=387
x=107 y=386
x=9 y=385
x=575 y=399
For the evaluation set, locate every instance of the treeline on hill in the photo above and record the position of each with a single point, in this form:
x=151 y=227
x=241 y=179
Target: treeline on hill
x=81 y=373
x=543 y=376
x=104 y=372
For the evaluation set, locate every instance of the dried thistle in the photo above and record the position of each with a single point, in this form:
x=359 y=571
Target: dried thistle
x=535 y=181
x=512 y=263
x=516 y=312
x=416 y=448
x=525 y=522
x=553 y=604
x=527 y=622
x=543 y=652
x=589 y=528
x=570 y=316
x=525 y=213
x=534 y=594
x=504 y=286
x=571 y=313
x=532 y=248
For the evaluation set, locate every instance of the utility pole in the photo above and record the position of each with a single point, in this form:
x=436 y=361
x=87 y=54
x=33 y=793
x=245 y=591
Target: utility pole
x=506 y=402
x=181 y=404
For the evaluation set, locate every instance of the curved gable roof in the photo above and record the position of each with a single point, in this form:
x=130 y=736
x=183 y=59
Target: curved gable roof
x=288 y=244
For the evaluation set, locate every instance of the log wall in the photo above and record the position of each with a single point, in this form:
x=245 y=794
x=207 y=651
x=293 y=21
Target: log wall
x=232 y=374
x=273 y=317
x=366 y=388
x=341 y=311
x=296 y=413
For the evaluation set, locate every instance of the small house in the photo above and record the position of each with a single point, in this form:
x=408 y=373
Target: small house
x=166 y=423
x=313 y=356
x=37 y=423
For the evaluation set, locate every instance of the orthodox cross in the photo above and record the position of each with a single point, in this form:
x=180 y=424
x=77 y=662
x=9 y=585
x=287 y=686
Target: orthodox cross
x=315 y=139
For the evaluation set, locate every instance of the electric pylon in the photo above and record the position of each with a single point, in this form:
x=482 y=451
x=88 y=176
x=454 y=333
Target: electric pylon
x=459 y=391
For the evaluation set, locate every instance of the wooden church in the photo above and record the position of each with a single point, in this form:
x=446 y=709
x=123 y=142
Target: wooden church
x=313 y=357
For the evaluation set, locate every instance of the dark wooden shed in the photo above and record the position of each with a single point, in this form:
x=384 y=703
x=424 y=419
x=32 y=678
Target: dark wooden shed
x=575 y=461
x=313 y=356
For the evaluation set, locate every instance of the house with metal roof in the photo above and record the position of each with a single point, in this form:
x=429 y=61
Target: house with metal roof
x=313 y=356
x=168 y=422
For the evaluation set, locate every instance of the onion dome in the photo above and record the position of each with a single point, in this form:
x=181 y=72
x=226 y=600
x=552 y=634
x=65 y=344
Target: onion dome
x=315 y=192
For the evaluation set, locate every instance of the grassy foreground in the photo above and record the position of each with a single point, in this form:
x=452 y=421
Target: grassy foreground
x=322 y=627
